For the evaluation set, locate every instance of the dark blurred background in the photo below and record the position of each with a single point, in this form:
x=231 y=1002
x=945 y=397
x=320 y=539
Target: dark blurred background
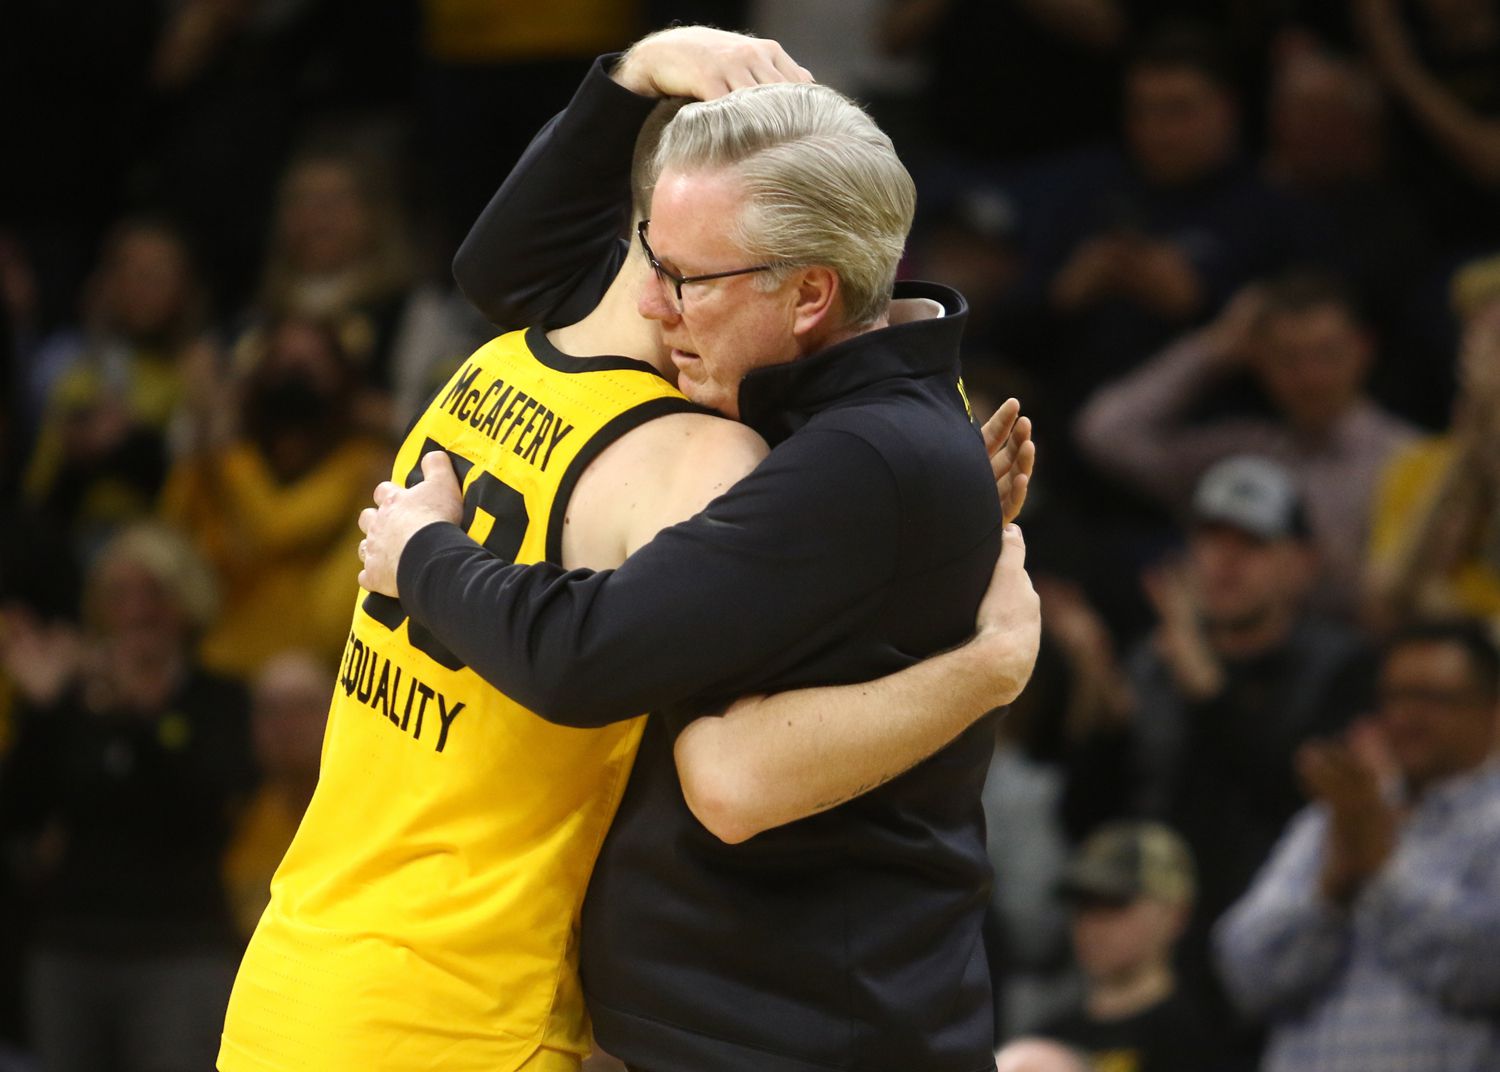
x=1188 y=232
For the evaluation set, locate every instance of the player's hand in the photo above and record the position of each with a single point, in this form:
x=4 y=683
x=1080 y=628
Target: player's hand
x=1008 y=629
x=397 y=516
x=1007 y=439
x=704 y=63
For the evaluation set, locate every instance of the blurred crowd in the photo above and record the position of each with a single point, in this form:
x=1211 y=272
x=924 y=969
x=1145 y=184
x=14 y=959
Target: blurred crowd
x=1239 y=259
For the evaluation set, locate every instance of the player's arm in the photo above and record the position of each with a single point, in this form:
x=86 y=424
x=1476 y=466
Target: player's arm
x=771 y=760
x=549 y=242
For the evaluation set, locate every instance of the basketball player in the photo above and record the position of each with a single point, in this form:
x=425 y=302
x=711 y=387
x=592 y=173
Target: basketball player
x=426 y=914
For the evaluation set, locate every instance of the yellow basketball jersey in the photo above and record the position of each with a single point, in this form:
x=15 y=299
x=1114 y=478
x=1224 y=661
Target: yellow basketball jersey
x=425 y=915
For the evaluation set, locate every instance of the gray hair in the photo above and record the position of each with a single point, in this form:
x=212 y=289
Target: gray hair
x=170 y=559
x=823 y=184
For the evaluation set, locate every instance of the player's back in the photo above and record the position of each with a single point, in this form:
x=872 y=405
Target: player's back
x=426 y=913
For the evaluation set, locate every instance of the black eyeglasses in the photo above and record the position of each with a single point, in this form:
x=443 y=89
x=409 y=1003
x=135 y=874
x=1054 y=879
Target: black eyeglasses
x=666 y=275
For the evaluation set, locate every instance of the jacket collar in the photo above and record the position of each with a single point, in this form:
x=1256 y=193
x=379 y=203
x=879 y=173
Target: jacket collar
x=779 y=399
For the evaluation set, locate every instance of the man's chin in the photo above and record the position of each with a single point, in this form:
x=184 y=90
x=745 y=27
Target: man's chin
x=704 y=395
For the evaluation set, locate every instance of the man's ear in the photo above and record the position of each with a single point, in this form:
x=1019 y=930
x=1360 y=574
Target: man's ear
x=817 y=301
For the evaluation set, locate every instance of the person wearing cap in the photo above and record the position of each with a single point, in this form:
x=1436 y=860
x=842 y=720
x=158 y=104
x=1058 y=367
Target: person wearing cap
x=1131 y=890
x=1299 y=341
x=1237 y=675
x=1435 y=531
x=1368 y=942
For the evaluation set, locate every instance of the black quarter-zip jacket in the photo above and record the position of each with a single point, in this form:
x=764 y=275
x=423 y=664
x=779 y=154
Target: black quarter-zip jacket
x=864 y=541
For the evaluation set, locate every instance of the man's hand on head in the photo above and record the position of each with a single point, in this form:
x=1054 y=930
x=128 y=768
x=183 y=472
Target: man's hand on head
x=399 y=513
x=703 y=63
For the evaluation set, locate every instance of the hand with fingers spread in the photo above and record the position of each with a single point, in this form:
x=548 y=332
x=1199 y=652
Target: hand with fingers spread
x=1007 y=439
x=703 y=63
x=397 y=516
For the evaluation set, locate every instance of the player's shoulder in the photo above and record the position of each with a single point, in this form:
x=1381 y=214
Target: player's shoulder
x=661 y=472
x=693 y=448
x=701 y=431
x=701 y=440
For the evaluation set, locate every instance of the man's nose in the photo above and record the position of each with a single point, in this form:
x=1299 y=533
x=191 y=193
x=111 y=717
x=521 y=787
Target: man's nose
x=654 y=303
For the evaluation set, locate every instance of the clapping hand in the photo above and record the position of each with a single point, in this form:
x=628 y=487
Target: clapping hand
x=1346 y=776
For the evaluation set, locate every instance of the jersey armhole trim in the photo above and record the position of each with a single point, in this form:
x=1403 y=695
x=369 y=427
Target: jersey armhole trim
x=616 y=427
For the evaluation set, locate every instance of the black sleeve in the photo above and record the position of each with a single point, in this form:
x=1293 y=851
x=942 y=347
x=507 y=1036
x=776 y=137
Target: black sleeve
x=793 y=558
x=548 y=244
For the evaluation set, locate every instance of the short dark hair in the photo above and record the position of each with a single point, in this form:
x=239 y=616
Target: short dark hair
x=1470 y=634
x=1190 y=46
x=1300 y=289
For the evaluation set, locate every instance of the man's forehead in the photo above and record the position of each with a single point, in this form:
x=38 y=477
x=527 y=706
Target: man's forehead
x=1425 y=659
x=677 y=186
x=693 y=212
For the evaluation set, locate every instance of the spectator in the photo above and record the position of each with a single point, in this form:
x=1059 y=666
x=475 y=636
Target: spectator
x=289 y=706
x=275 y=510
x=111 y=391
x=273 y=74
x=1435 y=537
x=117 y=798
x=1303 y=343
x=1328 y=148
x=1133 y=248
x=1236 y=677
x=339 y=250
x=1131 y=888
x=1369 y=939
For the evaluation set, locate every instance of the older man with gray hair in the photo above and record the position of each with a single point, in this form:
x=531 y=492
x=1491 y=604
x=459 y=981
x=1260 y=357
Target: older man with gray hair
x=849 y=939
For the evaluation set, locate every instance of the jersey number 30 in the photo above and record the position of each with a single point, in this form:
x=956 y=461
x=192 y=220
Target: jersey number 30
x=507 y=509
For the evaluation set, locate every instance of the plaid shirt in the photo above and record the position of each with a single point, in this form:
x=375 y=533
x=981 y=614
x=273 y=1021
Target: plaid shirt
x=1405 y=980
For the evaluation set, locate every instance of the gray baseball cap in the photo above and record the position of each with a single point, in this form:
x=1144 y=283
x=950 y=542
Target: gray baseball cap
x=1255 y=495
